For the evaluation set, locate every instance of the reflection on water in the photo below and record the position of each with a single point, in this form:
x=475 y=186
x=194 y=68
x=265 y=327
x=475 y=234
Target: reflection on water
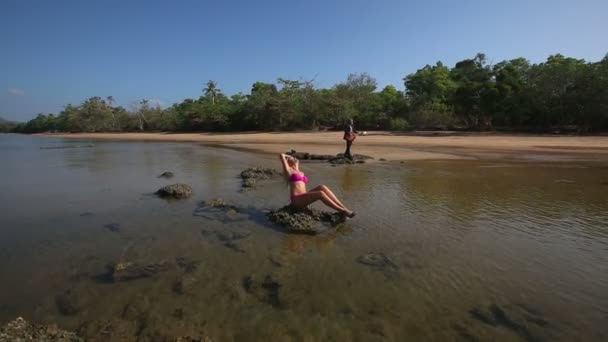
x=458 y=250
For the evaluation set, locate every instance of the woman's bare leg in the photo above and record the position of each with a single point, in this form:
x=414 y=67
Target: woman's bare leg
x=331 y=195
x=313 y=196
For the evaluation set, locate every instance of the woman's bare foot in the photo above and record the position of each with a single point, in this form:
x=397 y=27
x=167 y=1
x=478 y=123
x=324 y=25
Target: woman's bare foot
x=349 y=213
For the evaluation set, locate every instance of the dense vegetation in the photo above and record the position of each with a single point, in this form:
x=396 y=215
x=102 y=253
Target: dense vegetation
x=6 y=125
x=559 y=94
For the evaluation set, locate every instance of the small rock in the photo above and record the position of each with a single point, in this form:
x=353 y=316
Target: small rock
x=566 y=181
x=175 y=191
x=382 y=159
x=166 y=174
x=87 y=214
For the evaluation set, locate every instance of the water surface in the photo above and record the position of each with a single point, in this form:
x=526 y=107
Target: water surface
x=465 y=250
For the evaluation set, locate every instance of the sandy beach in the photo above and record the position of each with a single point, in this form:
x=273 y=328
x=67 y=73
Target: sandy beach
x=391 y=146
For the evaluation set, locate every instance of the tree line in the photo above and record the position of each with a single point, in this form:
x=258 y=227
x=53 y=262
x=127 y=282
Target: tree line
x=562 y=93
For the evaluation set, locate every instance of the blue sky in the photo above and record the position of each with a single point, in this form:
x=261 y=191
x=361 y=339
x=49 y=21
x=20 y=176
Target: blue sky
x=59 y=52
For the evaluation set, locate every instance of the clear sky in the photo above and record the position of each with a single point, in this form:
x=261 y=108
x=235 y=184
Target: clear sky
x=59 y=52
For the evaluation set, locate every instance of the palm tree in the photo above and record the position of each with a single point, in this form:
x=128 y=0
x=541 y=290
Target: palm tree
x=141 y=116
x=212 y=90
x=110 y=100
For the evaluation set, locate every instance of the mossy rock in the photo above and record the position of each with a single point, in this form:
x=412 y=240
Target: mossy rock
x=175 y=191
x=304 y=221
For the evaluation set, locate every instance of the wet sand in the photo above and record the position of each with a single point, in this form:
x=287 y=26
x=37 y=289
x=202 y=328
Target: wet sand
x=391 y=146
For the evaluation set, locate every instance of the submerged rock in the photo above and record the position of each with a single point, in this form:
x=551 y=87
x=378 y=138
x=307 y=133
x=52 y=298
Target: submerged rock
x=266 y=291
x=113 y=227
x=131 y=270
x=113 y=330
x=229 y=238
x=187 y=265
x=216 y=209
x=378 y=260
x=175 y=191
x=21 y=330
x=185 y=284
x=68 y=303
x=166 y=174
x=305 y=220
x=497 y=316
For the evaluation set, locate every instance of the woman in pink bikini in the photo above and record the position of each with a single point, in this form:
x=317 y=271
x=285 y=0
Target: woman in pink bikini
x=300 y=197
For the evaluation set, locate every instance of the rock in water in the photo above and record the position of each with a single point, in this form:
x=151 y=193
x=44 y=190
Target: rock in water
x=303 y=221
x=130 y=270
x=175 y=191
x=166 y=174
x=21 y=330
x=259 y=173
x=251 y=175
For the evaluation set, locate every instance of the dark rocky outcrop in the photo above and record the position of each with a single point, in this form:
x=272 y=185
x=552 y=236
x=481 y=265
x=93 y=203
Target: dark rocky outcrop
x=166 y=174
x=21 y=330
x=304 y=221
x=175 y=191
x=337 y=159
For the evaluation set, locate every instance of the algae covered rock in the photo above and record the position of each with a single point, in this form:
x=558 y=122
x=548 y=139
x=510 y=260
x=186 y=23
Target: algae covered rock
x=175 y=191
x=252 y=175
x=304 y=221
x=259 y=173
x=21 y=330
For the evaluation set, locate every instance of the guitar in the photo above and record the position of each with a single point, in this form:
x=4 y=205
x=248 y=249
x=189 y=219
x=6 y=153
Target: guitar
x=350 y=137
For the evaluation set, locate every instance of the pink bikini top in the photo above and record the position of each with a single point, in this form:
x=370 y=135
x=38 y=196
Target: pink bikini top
x=298 y=177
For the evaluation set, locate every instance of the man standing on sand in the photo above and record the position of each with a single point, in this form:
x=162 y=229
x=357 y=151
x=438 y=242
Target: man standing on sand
x=349 y=136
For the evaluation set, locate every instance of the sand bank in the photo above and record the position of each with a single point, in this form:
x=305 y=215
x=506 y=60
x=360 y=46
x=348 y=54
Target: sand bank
x=390 y=146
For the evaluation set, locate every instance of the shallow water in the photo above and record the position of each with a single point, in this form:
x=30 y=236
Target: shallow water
x=462 y=250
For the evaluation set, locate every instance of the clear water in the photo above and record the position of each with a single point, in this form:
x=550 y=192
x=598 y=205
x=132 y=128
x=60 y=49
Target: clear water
x=475 y=250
